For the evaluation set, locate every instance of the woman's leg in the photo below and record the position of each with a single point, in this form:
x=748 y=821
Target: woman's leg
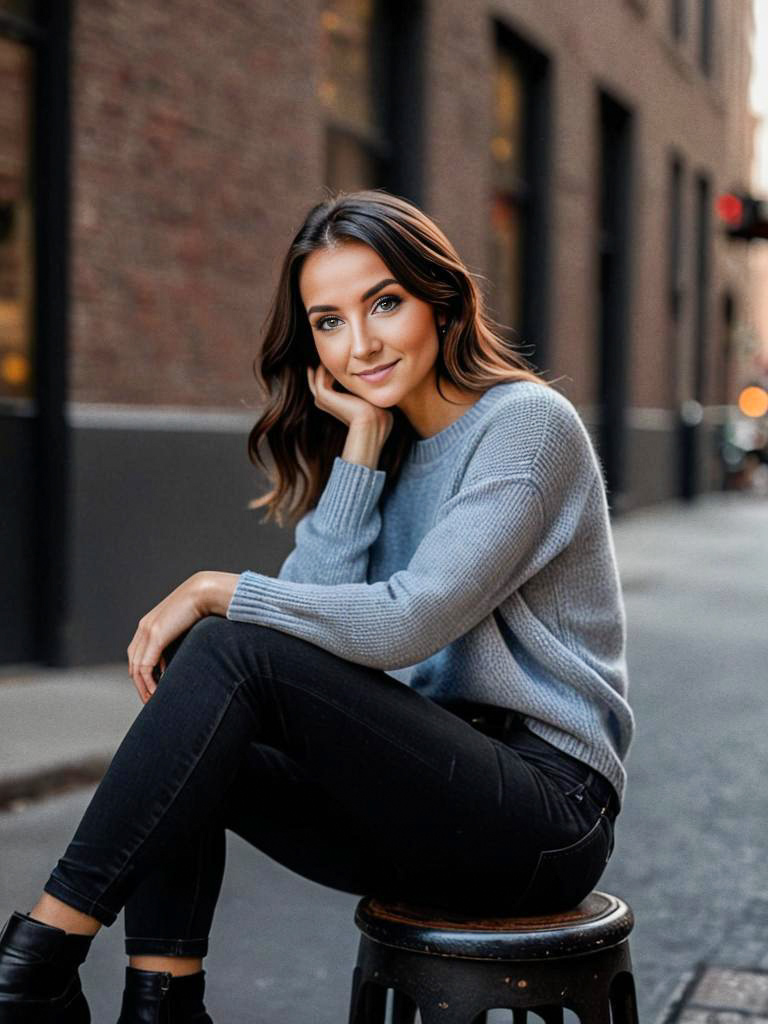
x=168 y=915
x=431 y=800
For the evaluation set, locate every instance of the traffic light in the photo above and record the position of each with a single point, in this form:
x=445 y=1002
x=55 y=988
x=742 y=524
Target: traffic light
x=743 y=215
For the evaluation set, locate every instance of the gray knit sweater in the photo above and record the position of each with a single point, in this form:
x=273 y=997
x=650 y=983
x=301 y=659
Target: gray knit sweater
x=488 y=573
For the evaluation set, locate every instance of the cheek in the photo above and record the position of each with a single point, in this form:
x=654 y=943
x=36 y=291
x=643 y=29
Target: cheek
x=327 y=354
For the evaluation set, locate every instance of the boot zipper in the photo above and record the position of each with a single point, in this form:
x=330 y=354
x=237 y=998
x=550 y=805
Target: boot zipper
x=162 y=1010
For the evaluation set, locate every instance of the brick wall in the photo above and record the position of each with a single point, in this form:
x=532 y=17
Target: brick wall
x=195 y=143
x=198 y=146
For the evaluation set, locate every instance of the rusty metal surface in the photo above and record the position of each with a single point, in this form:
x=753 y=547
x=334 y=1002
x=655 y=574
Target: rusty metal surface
x=599 y=922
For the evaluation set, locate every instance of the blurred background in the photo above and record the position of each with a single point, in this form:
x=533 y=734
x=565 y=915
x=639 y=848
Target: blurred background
x=601 y=165
x=593 y=161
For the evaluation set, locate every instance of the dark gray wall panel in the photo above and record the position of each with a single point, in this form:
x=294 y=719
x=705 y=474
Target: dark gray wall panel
x=149 y=508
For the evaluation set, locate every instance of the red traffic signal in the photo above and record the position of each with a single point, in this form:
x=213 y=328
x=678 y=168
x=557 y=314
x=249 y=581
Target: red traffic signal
x=743 y=216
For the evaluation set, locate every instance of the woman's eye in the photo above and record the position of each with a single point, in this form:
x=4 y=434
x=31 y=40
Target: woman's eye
x=395 y=301
x=390 y=298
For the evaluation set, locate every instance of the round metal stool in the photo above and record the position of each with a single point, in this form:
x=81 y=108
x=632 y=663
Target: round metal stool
x=454 y=968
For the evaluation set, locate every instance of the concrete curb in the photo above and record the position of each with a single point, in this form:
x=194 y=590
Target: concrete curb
x=19 y=790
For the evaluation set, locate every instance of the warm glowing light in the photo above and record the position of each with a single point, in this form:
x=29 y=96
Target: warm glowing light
x=501 y=148
x=327 y=92
x=753 y=401
x=330 y=21
x=14 y=368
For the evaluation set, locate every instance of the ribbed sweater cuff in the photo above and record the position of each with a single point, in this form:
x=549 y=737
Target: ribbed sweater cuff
x=350 y=496
x=256 y=599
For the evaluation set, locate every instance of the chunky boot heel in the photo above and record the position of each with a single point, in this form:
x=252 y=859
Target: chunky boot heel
x=39 y=980
x=157 y=997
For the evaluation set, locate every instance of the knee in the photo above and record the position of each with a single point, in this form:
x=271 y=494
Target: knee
x=217 y=638
x=212 y=631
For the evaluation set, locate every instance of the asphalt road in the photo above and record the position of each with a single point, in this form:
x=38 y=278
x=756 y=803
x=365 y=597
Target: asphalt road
x=689 y=856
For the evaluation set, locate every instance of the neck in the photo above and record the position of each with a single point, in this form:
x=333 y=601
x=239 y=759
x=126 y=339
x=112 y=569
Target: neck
x=429 y=412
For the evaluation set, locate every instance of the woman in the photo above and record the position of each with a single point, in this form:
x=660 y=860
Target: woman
x=428 y=703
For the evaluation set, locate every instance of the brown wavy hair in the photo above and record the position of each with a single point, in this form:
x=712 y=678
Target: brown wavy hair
x=303 y=440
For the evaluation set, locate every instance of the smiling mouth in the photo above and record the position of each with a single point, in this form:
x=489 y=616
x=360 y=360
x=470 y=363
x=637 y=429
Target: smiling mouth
x=380 y=372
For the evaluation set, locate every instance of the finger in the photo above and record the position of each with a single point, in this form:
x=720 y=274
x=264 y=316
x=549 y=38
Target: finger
x=146 y=667
x=141 y=689
x=145 y=672
x=150 y=657
x=324 y=381
x=137 y=657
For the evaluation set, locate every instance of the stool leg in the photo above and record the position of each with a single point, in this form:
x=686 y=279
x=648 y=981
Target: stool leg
x=368 y=1004
x=597 y=1011
x=403 y=1008
x=623 y=999
x=551 y=1014
x=374 y=1003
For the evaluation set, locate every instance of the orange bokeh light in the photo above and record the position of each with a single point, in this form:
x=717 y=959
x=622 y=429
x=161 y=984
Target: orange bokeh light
x=753 y=401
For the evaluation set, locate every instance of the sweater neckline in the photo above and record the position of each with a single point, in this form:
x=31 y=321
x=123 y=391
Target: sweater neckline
x=430 y=448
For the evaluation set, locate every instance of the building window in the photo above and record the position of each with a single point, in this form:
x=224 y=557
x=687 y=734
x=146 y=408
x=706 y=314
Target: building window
x=675 y=263
x=519 y=181
x=678 y=20
x=614 y=248
x=510 y=187
x=706 y=35
x=16 y=220
x=702 y=243
x=354 y=137
x=371 y=94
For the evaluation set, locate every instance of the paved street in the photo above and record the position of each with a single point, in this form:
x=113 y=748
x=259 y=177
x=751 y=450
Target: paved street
x=690 y=845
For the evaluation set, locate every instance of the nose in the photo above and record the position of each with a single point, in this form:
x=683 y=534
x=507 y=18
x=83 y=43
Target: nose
x=364 y=341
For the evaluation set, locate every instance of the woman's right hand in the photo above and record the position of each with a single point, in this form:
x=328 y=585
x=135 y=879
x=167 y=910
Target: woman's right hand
x=352 y=410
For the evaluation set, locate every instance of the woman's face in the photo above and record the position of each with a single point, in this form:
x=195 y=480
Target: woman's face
x=368 y=320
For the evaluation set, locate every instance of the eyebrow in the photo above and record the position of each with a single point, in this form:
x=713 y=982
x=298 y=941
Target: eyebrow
x=366 y=295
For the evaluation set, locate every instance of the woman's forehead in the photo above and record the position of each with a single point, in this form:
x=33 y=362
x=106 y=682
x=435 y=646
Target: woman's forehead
x=344 y=269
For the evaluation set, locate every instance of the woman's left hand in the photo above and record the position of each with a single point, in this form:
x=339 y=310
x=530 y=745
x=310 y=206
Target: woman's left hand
x=205 y=593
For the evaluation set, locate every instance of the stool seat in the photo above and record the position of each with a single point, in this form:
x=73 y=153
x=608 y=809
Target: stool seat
x=598 y=921
x=449 y=967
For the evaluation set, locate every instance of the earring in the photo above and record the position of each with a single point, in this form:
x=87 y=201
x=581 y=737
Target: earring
x=442 y=330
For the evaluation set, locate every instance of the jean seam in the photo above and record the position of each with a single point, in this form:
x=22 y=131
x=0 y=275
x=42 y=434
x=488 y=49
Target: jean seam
x=91 y=904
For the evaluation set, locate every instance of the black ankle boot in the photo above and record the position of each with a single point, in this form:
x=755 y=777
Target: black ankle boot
x=157 y=997
x=39 y=980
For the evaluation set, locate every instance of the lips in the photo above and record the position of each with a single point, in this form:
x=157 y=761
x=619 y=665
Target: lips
x=380 y=372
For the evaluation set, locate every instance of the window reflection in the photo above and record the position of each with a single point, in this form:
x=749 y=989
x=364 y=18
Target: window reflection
x=16 y=220
x=354 y=134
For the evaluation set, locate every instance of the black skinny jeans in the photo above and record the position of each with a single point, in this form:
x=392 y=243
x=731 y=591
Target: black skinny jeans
x=337 y=771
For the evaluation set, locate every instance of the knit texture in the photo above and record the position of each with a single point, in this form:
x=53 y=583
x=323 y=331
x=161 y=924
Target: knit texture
x=486 y=573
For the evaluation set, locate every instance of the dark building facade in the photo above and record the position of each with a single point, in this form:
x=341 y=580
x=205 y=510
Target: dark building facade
x=157 y=157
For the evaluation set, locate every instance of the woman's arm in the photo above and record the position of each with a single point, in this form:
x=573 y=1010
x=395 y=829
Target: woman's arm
x=512 y=516
x=333 y=539
x=488 y=541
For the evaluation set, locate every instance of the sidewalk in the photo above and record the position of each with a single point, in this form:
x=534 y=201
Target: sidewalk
x=60 y=727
